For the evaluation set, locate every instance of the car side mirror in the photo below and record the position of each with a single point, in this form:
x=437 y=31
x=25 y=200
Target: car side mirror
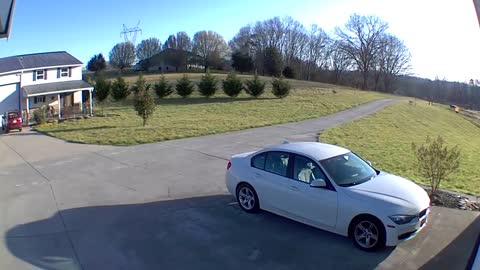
x=318 y=183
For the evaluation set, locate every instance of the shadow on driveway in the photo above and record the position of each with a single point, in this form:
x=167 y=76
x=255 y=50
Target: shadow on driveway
x=196 y=233
x=459 y=250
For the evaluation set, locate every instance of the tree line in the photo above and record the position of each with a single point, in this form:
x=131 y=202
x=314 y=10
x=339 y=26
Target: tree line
x=362 y=54
x=144 y=101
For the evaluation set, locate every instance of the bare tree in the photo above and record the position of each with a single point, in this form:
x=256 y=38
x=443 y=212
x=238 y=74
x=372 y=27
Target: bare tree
x=294 y=40
x=170 y=43
x=360 y=40
x=146 y=49
x=122 y=55
x=242 y=41
x=210 y=46
x=184 y=43
x=394 y=60
x=339 y=61
x=316 y=51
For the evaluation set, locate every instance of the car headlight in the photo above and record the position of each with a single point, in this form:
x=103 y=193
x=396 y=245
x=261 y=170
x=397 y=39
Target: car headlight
x=402 y=219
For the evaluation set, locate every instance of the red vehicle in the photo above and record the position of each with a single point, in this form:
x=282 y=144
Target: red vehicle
x=12 y=120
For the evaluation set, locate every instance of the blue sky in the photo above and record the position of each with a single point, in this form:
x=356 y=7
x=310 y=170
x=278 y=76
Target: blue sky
x=442 y=35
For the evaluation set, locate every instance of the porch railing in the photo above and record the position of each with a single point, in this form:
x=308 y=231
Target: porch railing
x=67 y=112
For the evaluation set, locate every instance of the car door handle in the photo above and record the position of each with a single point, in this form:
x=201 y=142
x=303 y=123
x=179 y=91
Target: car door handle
x=294 y=188
x=257 y=175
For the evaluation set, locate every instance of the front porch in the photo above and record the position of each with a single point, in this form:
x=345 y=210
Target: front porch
x=62 y=100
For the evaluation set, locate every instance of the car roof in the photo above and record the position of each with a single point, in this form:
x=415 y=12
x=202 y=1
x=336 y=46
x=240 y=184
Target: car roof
x=315 y=150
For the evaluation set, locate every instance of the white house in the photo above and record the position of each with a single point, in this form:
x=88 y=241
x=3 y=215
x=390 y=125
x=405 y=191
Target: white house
x=28 y=82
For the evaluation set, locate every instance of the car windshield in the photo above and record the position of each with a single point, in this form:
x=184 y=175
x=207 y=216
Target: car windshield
x=348 y=169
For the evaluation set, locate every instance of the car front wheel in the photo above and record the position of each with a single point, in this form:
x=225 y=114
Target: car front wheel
x=368 y=234
x=247 y=198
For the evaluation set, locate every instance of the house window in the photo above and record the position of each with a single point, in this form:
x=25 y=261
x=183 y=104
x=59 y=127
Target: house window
x=40 y=74
x=38 y=99
x=64 y=72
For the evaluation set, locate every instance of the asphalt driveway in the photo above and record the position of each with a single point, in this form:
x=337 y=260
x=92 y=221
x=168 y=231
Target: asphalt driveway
x=164 y=205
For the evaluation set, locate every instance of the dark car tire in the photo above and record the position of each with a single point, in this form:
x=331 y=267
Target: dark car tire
x=20 y=129
x=373 y=227
x=247 y=198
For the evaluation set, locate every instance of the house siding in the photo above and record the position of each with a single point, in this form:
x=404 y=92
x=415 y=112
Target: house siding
x=9 y=79
x=27 y=76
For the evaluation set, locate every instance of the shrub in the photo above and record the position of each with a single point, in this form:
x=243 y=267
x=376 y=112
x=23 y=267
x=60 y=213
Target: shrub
x=102 y=89
x=436 y=161
x=288 y=72
x=255 y=87
x=232 y=85
x=120 y=89
x=144 y=102
x=207 y=86
x=40 y=115
x=184 y=86
x=139 y=84
x=163 y=88
x=280 y=88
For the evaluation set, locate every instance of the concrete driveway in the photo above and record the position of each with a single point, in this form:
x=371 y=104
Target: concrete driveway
x=164 y=206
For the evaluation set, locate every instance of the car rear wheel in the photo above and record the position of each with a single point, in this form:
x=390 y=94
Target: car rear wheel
x=368 y=234
x=247 y=198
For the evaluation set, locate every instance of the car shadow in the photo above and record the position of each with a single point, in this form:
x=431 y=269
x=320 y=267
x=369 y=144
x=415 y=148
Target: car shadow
x=195 y=233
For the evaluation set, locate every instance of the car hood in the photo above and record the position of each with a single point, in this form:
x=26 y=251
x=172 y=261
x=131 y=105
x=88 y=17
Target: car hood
x=393 y=189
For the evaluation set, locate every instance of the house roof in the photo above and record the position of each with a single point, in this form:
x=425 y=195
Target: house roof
x=37 y=60
x=172 y=53
x=57 y=87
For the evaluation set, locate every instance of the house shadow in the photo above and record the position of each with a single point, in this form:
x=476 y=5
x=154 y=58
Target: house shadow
x=462 y=249
x=195 y=233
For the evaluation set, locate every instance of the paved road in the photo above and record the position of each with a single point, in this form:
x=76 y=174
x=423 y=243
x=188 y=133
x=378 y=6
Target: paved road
x=72 y=206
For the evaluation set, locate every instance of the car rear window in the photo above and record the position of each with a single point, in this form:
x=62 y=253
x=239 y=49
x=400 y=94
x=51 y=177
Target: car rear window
x=258 y=161
x=12 y=115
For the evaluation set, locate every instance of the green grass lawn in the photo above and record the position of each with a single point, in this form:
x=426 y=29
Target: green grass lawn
x=385 y=138
x=179 y=118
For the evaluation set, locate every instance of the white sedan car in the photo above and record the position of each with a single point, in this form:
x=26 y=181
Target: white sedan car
x=330 y=188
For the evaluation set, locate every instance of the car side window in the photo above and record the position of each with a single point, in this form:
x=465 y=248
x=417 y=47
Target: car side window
x=277 y=163
x=305 y=170
x=258 y=161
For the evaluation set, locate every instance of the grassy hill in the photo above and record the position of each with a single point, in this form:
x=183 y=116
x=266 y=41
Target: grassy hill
x=194 y=116
x=385 y=138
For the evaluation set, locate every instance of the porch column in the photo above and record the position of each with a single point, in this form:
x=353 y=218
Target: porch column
x=28 y=110
x=91 y=101
x=59 y=107
x=81 y=102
